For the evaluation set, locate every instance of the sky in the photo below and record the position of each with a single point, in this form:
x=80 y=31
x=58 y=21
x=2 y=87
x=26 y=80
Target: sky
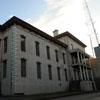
x=64 y=15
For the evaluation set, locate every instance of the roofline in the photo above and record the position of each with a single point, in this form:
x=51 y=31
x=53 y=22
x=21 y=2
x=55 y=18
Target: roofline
x=17 y=21
x=71 y=36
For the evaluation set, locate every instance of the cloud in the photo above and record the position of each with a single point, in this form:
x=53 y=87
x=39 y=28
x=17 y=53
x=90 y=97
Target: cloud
x=64 y=15
x=59 y=12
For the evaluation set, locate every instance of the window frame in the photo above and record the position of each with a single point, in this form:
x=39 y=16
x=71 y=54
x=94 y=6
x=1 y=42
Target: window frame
x=4 y=68
x=56 y=54
x=64 y=59
x=48 y=52
x=37 y=48
x=23 y=67
x=5 y=44
x=66 y=74
x=39 y=76
x=59 y=73
x=23 y=43
x=50 y=72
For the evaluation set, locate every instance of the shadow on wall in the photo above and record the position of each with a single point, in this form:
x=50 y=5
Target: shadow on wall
x=75 y=86
x=97 y=82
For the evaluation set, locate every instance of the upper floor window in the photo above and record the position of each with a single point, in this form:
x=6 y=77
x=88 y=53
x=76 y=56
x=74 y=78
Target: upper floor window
x=4 y=68
x=23 y=67
x=5 y=45
x=72 y=46
x=38 y=70
x=63 y=54
x=56 y=54
x=22 y=43
x=50 y=72
x=48 y=52
x=37 y=48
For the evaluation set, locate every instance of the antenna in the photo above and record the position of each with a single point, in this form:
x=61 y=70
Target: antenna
x=92 y=23
x=91 y=45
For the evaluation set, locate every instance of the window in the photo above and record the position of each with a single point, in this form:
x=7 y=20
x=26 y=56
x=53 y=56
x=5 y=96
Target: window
x=56 y=54
x=5 y=45
x=63 y=54
x=66 y=77
x=71 y=46
x=38 y=70
x=22 y=43
x=4 y=68
x=37 y=48
x=23 y=67
x=50 y=72
x=48 y=52
x=58 y=71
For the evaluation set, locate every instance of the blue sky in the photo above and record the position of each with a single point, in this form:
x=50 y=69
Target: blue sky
x=48 y=15
x=22 y=8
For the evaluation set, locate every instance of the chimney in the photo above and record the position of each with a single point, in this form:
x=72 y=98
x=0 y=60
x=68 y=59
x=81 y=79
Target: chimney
x=55 y=32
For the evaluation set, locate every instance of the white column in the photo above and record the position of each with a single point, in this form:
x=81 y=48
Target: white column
x=78 y=57
x=84 y=59
x=92 y=76
x=87 y=74
x=81 y=58
x=81 y=76
x=84 y=73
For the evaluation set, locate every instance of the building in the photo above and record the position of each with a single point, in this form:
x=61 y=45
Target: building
x=81 y=77
x=33 y=62
x=95 y=63
x=97 y=51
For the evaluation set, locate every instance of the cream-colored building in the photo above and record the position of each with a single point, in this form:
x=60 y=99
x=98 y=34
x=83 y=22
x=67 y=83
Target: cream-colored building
x=80 y=73
x=33 y=62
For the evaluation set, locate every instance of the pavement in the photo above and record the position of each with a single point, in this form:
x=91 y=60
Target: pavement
x=43 y=97
x=88 y=96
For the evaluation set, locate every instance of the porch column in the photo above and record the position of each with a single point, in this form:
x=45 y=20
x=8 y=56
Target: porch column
x=78 y=57
x=81 y=58
x=92 y=76
x=84 y=59
x=84 y=73
x=87 y=74
x=81 y=76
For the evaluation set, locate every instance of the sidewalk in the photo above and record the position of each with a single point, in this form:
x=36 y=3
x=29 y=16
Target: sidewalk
x=42 y=96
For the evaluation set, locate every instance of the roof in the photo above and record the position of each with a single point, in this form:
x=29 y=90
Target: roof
x=17 y=21
x=71 y=36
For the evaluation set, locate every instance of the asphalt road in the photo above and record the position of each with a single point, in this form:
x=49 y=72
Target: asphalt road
x=88 y=96
x=92 y=96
